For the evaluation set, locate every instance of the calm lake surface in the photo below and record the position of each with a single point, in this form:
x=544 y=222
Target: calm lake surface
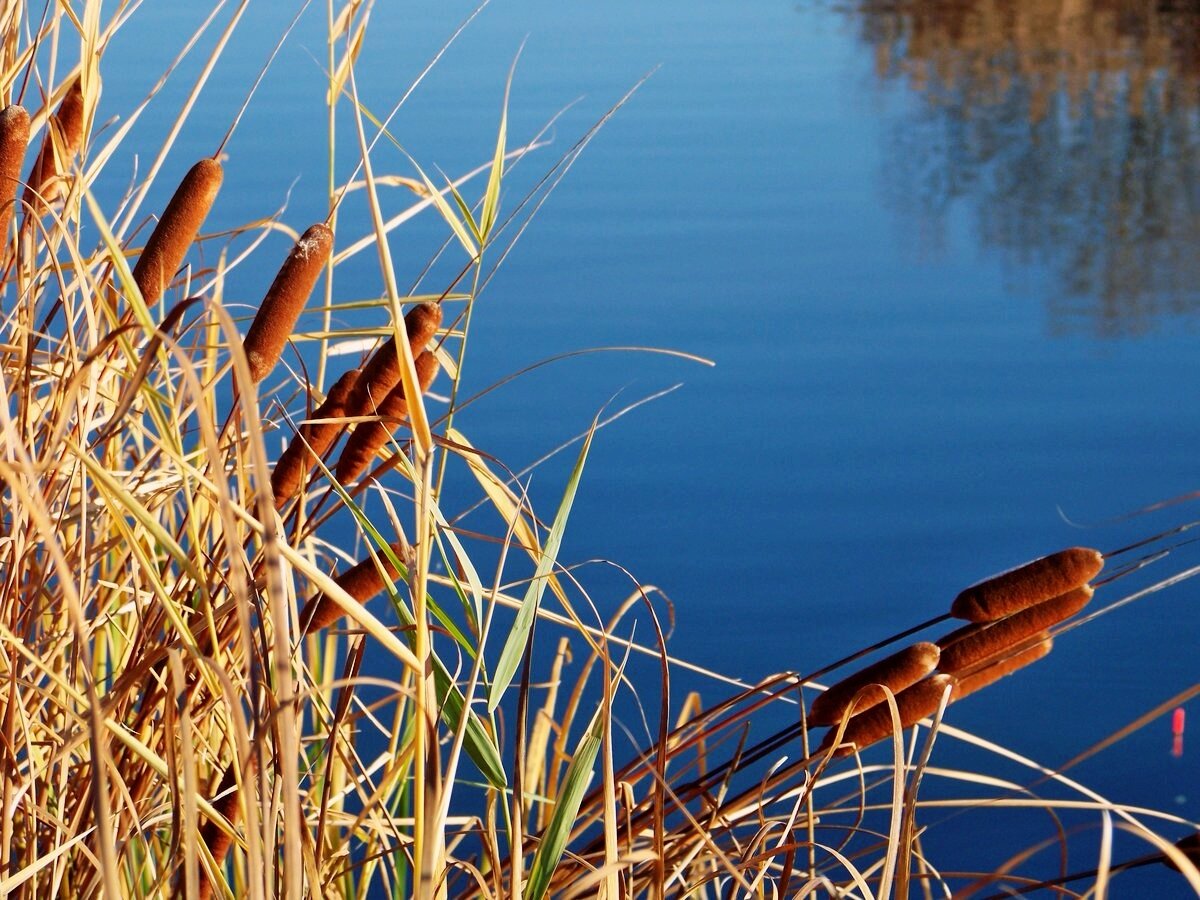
x=943 y=254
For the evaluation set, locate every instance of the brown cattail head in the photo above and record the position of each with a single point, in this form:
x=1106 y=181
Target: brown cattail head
x=313 y=441
x=361 y=581
x=1004 y=664
x=285 y=300
x=64 y=134
x=14 y=139
x=973 y=645
x=897 y=672
x=914 y=703
x=177 y=229
x=382 y=371
x=1022 y=587
x=369 y=437
x=226 y=803
x=1190 y=847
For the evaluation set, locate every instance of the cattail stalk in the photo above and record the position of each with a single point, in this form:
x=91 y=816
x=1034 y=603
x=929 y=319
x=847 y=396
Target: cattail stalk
x=64 y=135
x=862 y=689
x=1022 y=587
x=913 y=703
x=1004 y=665
x=974 y=644
x=285 y=300
x=177 y=229
x=369 y=437
x=14 y=139
x=361 y=581
x=313 y=441
x=382 y=371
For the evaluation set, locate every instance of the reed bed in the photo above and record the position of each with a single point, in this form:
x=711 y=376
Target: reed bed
x=233 y=666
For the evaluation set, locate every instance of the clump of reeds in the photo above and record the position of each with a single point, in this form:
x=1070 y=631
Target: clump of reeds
x=63 y=138
x=177 y=229
x=285 y=300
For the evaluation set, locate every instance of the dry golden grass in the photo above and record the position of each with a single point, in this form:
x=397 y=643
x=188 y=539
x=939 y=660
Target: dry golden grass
x=180 y=716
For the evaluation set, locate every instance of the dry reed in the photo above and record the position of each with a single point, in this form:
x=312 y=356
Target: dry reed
x=14 y=140
x=1034 y=582
x=369 y=437
x=361 y=581
x=313 y=441
x=863 y=690
x=974 y=644
x=382 y=371
x=285 y=300
x=177 y=229
x=913 y=703
x=1004 y=665
x=64 y=135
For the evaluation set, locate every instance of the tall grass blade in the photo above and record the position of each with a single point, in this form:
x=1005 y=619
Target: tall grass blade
x=514 y=646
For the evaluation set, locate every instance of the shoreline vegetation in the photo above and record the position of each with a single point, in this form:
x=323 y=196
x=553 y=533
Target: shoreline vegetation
x=191 y=650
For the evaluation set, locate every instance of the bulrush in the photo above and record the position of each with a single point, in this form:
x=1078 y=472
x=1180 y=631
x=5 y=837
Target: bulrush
x=177 y=229
x=14 y=139
x=897 y=672
x=361 y=581
x=1005 y=664
x=369 y=437
x=217 y=841
x=972 y=645
x=313 y=441
x=1022 y=587
x=382 y=371
x=285 y=300
x=67 y=124
x=913 y=703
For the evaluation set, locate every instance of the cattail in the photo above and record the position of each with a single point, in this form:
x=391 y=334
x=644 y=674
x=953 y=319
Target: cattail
x=226 y=803
x=361 y=581
x=382 y=371
x=65 y=128
x=14 y=139
x=1190 y=847
x=367 y=439
x=1022 y=587
x=897 y=672
x=313 y=441
x=177 y=229
x=1004 y=665
x=285 y=300
x=913 y=703
x=974 y=644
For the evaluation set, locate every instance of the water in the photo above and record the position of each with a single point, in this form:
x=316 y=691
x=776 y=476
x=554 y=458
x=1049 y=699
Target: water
x=942 y=254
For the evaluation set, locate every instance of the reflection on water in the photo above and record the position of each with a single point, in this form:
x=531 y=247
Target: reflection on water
x=1071 y=126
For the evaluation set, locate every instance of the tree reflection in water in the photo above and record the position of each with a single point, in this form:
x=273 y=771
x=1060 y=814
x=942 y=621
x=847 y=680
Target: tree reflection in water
x=1072 y=126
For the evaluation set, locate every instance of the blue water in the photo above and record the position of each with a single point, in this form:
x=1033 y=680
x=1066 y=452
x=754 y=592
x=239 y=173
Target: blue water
x=943 y=336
